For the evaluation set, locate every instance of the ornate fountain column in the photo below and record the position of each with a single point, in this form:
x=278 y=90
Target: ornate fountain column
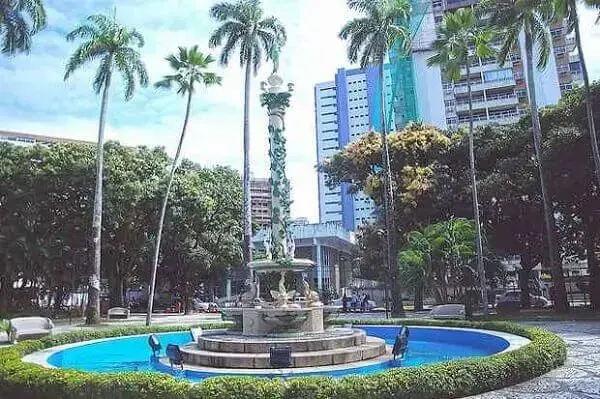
x=276 y=98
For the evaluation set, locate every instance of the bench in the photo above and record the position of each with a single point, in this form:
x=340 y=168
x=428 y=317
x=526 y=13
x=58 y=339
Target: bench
x=117 y=313
x=453 y=311
x=22 y=328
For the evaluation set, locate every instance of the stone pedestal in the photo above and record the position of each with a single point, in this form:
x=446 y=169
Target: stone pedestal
x=278 y=321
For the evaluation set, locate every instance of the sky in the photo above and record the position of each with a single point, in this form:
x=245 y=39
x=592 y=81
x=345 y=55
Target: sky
x=35 y=99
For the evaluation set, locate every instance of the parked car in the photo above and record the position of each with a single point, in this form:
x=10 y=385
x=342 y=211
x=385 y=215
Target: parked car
x=207 y=307
x=537 y=301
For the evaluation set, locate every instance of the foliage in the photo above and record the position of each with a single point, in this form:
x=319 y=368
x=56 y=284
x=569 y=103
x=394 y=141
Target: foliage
x=47 y=252
x=189 y=67
x=444 y=380
x=512 y=17
x=419 y=172
x=459 y=31
x=439 y=257
x=19 y=21
x=114 y=46
x=244 y=26
x=382 y=24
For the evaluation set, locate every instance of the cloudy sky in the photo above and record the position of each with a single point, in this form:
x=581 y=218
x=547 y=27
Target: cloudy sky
x=34 y=98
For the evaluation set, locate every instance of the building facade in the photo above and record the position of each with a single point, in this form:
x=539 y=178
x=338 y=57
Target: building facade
x=260 y=201
x=345 y=109
x=25 y=139
x=349 y=105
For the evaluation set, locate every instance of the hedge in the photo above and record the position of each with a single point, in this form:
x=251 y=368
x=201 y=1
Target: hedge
x=443 y=380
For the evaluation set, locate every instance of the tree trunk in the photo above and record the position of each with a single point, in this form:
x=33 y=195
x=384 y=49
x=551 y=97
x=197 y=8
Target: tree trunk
x=524 y=277
x=588 y=97
x=388 y=206
x=592 y=248
x=419 y=296
x=163 y=211
x=478 y=243
x=560 y=294
x=246 y=174
x=93 y=305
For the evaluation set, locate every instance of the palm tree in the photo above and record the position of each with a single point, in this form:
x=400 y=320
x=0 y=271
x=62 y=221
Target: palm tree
x=111 y=44
x=532 y=18
x=189 y=68
x=244 y=26
x=19 y=21
x=459 y=33
x=568 y=9
x=383 y=24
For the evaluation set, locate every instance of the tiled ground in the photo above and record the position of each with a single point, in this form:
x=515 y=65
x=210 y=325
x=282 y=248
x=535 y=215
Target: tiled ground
x=579 y=378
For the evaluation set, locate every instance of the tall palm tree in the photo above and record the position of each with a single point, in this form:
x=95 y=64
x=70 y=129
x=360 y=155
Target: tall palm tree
x=113 y=45
x=568 y=9
x=383 y=24
x=459 y=33
x=531 y=17
x=244 y=26
x=189 y=68
x=19 y=21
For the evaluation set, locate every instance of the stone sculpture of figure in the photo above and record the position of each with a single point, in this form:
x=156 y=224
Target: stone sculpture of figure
x=251 y=295
x=290 y=245
x=282 y=296
x=267 y=244
x=312 y=297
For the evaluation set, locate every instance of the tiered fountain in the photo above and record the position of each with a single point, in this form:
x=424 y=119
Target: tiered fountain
x=297 y=324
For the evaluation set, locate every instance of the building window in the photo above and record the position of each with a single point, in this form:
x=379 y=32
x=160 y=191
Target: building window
x=498 y=75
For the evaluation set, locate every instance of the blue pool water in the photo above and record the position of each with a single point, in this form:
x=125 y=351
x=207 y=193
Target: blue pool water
x=426 y=346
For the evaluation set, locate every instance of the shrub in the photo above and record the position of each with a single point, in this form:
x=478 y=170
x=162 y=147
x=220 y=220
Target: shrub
x=443 y=380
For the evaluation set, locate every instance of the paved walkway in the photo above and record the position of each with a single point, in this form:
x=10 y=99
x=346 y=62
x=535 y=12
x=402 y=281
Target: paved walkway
x=579 y=378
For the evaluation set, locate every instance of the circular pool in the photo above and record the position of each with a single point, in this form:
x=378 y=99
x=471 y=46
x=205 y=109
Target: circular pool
x=426 y=345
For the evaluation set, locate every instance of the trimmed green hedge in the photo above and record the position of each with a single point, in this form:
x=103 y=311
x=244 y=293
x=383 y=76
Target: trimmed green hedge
x=443 y=380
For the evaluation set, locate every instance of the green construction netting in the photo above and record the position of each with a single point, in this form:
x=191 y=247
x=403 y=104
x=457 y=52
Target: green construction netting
x=403 y=105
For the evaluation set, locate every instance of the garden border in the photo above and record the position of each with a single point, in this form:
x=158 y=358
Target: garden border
x=451 y=379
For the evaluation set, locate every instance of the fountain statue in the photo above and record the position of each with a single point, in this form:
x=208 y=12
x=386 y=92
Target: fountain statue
x=293 y=320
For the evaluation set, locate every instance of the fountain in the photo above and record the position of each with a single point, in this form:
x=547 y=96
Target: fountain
x=261 y=325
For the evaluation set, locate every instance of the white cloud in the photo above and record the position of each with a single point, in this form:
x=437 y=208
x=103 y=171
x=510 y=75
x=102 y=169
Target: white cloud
x=35 y=98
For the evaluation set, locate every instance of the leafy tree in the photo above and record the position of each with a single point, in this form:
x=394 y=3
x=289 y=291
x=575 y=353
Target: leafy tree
x=132 y=183
x=460 y=31
x=203 y=229
x=107 y=40
x=575 y=189
x=567 y=9
x=531 y=18
x=19 y=21
x=189 y=69
x=370 y=37
x=244 y=26
x=439 y=257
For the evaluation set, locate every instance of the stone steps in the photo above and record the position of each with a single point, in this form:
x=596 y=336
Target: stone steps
x=369 y=349
x=234 y=343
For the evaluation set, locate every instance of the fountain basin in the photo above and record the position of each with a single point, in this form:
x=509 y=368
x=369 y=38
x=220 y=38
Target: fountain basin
x=293 y=265
x=273 y=321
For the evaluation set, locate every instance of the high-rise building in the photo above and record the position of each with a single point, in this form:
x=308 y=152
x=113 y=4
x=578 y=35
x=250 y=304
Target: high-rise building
x=349 y=106
x=260 y=203
x=345 y=111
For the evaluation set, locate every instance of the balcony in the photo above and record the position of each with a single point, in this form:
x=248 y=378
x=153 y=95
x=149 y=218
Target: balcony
x=480 y=86
x=453 y=4
x=500 y=100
